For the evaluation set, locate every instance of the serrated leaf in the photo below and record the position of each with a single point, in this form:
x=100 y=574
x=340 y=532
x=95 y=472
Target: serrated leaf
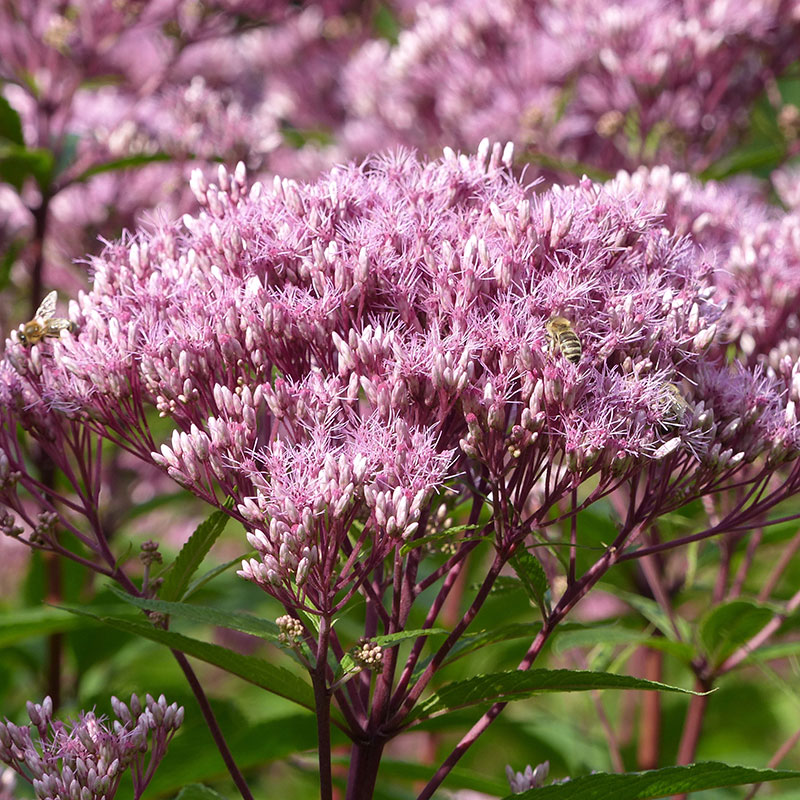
x=601 y=634
x=10 y=124
x=255 y=670
x=392 y=639
x=727 y=627
x=235 y=620
x=534 y=579
x=516 y=685
x=196 y=791
x=191 y=556
x=593 y=634
x=654 y=783
x=771 y=652
x=348 y=664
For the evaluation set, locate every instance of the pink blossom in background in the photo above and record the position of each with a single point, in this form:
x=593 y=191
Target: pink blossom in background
x=612 y=85
x=97 y=83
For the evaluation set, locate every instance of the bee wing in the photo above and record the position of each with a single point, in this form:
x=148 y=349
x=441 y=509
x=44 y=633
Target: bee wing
x=54 y=326
x=48 y=306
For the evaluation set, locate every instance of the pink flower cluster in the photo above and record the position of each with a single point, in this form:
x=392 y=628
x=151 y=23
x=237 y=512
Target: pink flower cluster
x=334 y=354
x=87 y=758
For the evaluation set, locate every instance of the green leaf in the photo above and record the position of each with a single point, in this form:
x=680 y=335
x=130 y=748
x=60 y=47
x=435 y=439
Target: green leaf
x=727 y=627
x=391 y=639
x=600 y=634
x=347 y=663
x=533 y=577
x=235 y=620
x=17 y=625
x=593 y=635
x=207 y=577
x=194 y=756
x=652 y=612
x=10 y=125
x=470 y=642
x=654 y=783
x=128 y=162
x=517 y=685
x=192 y=555
x=17 y=163
x=196 y=791
x=13 y=249
x=771 y=652
x=255 y=670
x=386 y=23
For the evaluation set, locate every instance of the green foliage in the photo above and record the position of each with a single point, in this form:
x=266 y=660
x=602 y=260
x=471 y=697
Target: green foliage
x=533 y=577
x=191 y=556
x=516 y=685
x=128 y=162
x=234 y=620
x=256 y=670
x=197 y=791
x=655 y=783
x=10 y=124
x=728 y=626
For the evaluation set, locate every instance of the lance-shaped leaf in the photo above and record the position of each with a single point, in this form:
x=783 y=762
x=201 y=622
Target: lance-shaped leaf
x=517 y=685
x=235 y=620
x=191 y=556
x=654 y=783
x=255 y=670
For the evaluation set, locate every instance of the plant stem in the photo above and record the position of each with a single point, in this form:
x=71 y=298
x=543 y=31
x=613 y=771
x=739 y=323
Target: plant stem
x=364 y=763
x=322 y=703
x=481 y=725
x=194 y=684
x=694 y=724
x=55 y=642
x=650 y=725
x=213 y=725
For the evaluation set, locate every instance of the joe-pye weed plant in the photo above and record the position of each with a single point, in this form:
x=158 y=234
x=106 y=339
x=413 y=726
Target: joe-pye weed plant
x=351 y=364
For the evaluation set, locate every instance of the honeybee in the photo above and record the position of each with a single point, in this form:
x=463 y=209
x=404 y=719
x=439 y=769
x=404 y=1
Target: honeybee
x=675 y=405
x=559 y=332
x=44 y=323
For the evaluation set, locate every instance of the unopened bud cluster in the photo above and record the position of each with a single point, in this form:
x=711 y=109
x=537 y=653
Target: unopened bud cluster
x=291 y=630
x=85 y=759
x=367 y=654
